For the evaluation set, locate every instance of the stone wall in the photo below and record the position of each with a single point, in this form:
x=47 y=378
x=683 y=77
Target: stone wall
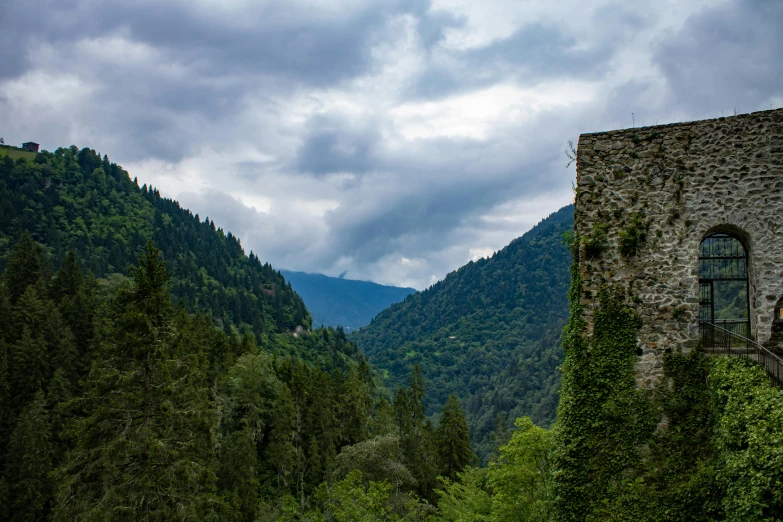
x=676 y=184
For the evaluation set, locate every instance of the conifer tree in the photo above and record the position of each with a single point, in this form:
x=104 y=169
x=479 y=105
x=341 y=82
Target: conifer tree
x=26 y=266
x=383 y=421
x=58 y=393
x=29 y=367
x=61 y=345
x=239 y=479
x=427 y=462
x=251 y=387
x=5 y=397
x=141 y=449
x=68 y=279
x=356 y=402
x=417 y=436
x=29 y=311
x=6 y=414
x=314 y=467
x=6 y=312
x=78 y=310
x=30 y=462
x=453 y=439
x=281 y=452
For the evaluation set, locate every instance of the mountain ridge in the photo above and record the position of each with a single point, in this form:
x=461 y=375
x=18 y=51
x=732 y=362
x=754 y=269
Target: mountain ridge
x=75 y=199
x=336 y=301
x=489 y=332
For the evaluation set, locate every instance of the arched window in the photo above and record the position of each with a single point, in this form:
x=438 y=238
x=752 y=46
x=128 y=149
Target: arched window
x=723 y=283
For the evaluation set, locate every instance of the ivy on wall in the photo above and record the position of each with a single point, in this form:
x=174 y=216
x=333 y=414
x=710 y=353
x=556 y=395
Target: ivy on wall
x=602 y=417
x=706 y=445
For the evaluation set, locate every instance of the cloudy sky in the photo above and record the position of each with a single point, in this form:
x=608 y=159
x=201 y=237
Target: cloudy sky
x=392 y=139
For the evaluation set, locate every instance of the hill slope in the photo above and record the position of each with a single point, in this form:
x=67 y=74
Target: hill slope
x=335 y=301
x=75 y=200
x=489 y=332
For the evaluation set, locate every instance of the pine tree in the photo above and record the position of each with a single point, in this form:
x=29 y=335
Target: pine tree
x=281 y=452
x=6 y=312
x=5 y=398
x=30 y=462
x=355 y=404
x=314 y=468
x=68 y=278
x=417 y=436
x=61 y=345
x=141 y=449
x=30 y=311
x=427 y=462
x=251 y=387
x=58 y=393
x=383 y=421
x=239 y=479
x=26 y=266
x=6 y=414
x=453 y=439
x=29 y=367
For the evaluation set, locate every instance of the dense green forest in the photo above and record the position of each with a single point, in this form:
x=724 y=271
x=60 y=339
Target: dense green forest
x=118 y=404
x=489 y=332
x=73 y=199
x=335 y=301
x=129 y=392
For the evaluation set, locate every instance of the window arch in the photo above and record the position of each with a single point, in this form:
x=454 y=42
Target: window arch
x=724 y=296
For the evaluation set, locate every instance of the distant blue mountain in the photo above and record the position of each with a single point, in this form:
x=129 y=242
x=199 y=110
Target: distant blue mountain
x=335 y=301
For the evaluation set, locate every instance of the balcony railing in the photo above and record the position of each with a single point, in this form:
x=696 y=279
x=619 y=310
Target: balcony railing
x=720 y=340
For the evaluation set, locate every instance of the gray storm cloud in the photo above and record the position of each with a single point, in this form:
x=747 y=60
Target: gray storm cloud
x=392 y=140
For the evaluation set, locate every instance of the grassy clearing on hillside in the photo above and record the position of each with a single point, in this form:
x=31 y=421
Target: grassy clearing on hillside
x=15 y=153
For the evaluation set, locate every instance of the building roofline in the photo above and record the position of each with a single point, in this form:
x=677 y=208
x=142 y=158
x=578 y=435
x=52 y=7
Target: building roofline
x=683 y=124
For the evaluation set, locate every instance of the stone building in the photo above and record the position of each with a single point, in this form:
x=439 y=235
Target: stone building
x=652 y=201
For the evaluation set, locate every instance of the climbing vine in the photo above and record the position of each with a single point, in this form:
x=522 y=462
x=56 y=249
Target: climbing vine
x=634 y=235
x=602 y=417
x=705 y=446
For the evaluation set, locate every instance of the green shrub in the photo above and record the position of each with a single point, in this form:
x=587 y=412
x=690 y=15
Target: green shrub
x=595 y=241
x=634 y=235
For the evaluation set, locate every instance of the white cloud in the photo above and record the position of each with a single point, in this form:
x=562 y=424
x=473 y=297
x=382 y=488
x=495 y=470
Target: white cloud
x=386 y=139
x=479 y=114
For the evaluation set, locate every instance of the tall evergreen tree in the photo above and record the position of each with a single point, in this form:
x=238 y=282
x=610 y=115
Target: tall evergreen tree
x=68 y=278
x=5 y=397
x=453 y=439
x=6 y=413
x=58 y=393
x=356 y=401
x=6 y=312
x=281 y=452
x=251 y=388
x=383 y=420
x=26 y=266
x=417 y=436
x=141 y=449
x=30 y=462
x=29 y=367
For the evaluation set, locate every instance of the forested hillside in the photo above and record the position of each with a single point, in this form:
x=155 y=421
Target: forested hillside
x=133 y=388
x=335 y=301
x=489 y=332
x=74 y=199
x=116 y=404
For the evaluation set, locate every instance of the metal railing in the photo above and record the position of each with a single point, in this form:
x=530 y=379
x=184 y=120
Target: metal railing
x=740 y=327
x=717 y=340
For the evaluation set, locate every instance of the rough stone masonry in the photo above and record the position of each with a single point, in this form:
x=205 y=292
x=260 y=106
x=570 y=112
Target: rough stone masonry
x=673 y=185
